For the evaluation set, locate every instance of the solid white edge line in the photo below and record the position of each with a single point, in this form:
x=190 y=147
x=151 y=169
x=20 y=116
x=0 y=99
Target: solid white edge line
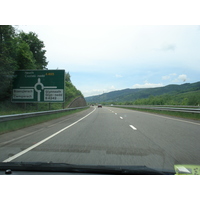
x=133 y=127
x=42 y=141
x=157 y=115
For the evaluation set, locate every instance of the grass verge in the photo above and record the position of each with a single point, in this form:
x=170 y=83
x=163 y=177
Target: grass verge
x=194 y=116
x=8 y=108
x=22 y=123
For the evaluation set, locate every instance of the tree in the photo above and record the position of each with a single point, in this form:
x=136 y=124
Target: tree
x=36 y=47
x=67 y=77
x=25 y=59
x=70 y=89
x=7 y=59
x=18 y=51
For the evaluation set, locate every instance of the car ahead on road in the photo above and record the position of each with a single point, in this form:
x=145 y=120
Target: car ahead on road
x=99 y=106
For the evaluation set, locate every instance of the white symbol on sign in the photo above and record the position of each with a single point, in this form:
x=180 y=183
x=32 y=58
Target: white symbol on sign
x=38 y=89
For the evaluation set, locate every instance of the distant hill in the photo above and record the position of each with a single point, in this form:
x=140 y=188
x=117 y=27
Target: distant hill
x=134 y=94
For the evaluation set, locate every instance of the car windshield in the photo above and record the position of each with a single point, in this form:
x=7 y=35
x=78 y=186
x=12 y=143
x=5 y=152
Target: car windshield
x=120 y=95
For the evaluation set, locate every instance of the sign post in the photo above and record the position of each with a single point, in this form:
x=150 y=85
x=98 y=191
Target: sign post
x=39 y=86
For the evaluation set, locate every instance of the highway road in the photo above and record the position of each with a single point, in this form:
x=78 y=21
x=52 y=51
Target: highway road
x=106 y=136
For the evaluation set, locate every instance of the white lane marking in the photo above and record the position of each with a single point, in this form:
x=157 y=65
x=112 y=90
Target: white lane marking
x=115 y=113
x=157 y=115
x=121 y=117
x=20 y=137
x=42 y=141
x=133 y=127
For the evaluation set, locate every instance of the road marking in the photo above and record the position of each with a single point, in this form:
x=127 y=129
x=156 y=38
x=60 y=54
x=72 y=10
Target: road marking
x=115 y=113
x=133 y=127
x=121 y=117
x=157 y=115
x=42 y=141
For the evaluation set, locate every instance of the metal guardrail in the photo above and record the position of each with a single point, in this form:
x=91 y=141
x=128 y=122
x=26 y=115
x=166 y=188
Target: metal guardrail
x=4 y=118
x=190 y=110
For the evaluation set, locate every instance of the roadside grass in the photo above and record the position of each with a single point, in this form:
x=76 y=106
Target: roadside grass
x=22 y=123
x=8 y=108
x=194 y=116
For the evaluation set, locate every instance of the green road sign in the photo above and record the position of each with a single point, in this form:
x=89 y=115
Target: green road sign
x=39 y=86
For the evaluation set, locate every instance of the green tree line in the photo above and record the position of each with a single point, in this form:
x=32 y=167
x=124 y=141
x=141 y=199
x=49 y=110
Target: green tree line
x=188 y=98
x=70 y=90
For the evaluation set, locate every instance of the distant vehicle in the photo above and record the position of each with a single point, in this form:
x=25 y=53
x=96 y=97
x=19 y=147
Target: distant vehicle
x=99 y=106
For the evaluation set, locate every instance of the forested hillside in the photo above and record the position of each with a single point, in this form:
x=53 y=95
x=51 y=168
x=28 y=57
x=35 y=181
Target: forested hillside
x=24 y=51
x=185 y=94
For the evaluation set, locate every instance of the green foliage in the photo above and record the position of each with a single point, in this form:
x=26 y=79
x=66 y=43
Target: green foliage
x=7 y=59
x=25 y=57
x=22 y=123
x=67 y=77
x=35 y=48
x=24 y=51
x=17 y=52
x=188 y=98
x=70 y=90
x=185 y=94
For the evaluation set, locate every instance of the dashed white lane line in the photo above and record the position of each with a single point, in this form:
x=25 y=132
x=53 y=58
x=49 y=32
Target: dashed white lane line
x=42 y=141
x=121 y=117
x=115 y=113
x=133 y=127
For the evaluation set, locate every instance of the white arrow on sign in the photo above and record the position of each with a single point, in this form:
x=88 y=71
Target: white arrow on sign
x=36 y=89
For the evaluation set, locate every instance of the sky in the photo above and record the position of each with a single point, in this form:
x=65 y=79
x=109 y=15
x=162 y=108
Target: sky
x=102 y=54
x=114 y=44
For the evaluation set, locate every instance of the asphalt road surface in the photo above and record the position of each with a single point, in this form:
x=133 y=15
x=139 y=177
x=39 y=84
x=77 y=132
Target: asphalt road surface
x=106 y=136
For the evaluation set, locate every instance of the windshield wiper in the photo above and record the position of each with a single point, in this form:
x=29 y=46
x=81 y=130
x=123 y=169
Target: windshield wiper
x=83 y=169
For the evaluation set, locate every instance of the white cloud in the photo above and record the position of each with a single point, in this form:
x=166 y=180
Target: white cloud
x=148 y=85
x=113 y=51
x=181 y=78
x=166 y=47
x=118 y=76
x=169 y=47
x=112 y=87
x=94 y=92
x=167 y=77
